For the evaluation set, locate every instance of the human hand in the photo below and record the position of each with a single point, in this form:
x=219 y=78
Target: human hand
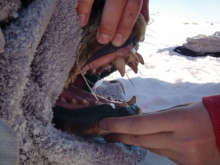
x=183 y=133
x=118 y=18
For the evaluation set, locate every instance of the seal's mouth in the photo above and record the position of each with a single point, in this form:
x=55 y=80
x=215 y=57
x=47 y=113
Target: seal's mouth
x=78 y=111
x=76 y=95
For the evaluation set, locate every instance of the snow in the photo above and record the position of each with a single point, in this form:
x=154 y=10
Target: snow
x=167 y=78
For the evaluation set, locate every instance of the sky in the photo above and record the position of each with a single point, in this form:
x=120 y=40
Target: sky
x=207 y=10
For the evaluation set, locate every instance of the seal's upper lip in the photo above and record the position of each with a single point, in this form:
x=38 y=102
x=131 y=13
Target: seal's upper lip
x=119 y=58
x=107 y=50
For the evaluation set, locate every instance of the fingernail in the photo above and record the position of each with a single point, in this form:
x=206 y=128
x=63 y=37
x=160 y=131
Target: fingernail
x=82 y=18
x=117 y=41
x=102 y=125
x=103 y=38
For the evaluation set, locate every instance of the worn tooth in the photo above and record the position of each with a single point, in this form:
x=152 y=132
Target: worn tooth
x=73 y=101
x=133 y=100
x=140 y=58
x=97 y=103
x=132 y=58
x=101 y=96
x=134 y=67
x=105 y=67
x=124 y=104
x=109 y=98
x=93 y=70
x=62 y=99
x=84 y=102
x=119 y=64
x=109 y=68
x=83 y=73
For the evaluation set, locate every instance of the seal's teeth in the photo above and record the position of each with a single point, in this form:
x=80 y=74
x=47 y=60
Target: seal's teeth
x=140 y=58
x=108 y=67
x=132 y=58
x=134 y=67
x=101 y=96
x=124 y=104
x=97 y=103
x=93 y=70
x=83 y=73
x=105 y=67
x=109 y=98
x=119 y=64
x=132 y=101
x=84 y=102
x=73 y=101
x=62 y=99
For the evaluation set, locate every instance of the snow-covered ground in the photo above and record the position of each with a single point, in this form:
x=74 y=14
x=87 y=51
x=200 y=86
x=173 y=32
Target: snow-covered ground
x=167 y=78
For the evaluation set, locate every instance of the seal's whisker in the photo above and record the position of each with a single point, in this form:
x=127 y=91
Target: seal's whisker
x=77 y=62
x=130 y=79
x=152 y=20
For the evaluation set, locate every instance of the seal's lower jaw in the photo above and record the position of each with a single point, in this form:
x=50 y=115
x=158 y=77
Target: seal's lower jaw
x=81 y=116
x=78 y=112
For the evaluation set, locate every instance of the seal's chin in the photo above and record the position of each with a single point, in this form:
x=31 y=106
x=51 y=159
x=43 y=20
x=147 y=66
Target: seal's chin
x=78 y=111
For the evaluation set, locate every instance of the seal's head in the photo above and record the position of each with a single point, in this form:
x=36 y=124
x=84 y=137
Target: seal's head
x=77 y=111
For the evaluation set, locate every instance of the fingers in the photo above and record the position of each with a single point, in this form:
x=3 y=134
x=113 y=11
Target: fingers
x=117 y=21
x=145 y=10
x=84 y=9
x=128 y=19
x=157 y=141
x=111 y=16
x=166 y=121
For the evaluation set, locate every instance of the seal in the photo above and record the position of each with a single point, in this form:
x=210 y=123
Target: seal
x=78 y=110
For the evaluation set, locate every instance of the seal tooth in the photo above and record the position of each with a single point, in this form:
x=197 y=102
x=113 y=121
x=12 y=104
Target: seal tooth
x=105 y=67
x=62 y=99
x=84 y=73
x=124 y=104
x=133 y=66
x=97 y=103
x=84 y=102
x=119 y=64
x=132 y=58
x=109 y=98
x=109 y=68
x=93 y=70
x=133 y=100
x=140 y=58
x=73 y=101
